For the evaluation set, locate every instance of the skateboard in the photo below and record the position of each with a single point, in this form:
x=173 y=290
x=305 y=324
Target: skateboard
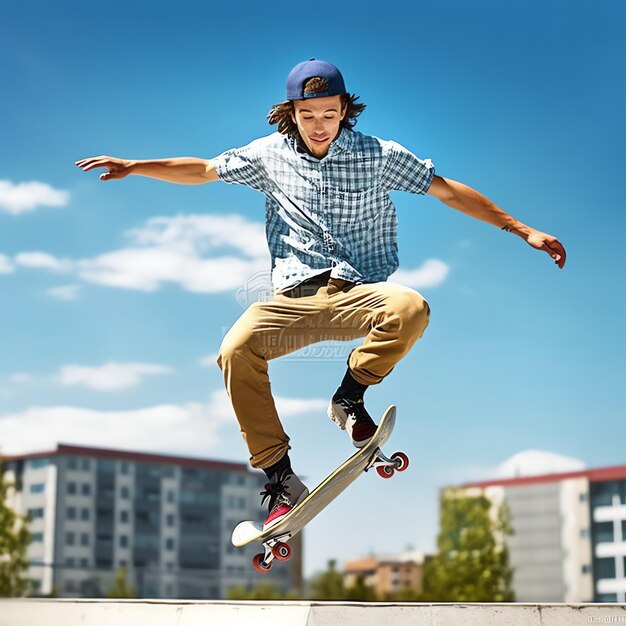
x=274 y=539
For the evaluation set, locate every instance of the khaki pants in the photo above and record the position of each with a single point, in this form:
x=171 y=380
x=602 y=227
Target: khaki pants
x=390 y=317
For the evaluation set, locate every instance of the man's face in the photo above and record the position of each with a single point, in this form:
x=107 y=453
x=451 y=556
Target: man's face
x=318 y=122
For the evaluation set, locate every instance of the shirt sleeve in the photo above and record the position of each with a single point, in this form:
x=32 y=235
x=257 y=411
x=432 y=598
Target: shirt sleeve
x=403 y=171
x=242 y=166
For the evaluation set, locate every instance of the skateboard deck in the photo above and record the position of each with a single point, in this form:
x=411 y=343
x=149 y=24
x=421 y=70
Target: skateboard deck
x=274 y=538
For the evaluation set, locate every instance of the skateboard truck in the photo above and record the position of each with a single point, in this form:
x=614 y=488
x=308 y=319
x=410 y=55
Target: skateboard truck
x=275 y=548
x=385 y=466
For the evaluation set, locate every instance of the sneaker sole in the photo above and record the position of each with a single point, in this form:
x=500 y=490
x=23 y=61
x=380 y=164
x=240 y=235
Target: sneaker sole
x=335 y=417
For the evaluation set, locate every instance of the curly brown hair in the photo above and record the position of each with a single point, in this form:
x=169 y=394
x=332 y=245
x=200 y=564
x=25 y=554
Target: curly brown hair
x=281 y=113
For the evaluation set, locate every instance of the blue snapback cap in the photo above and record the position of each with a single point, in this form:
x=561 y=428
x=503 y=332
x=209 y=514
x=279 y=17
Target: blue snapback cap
x=308 y=69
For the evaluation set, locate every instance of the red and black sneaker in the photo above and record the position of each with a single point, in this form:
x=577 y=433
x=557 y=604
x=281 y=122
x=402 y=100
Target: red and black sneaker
x=284 y=493
x=350 y=414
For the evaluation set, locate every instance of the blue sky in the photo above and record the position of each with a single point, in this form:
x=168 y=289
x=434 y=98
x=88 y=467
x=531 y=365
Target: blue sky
x=115 y=295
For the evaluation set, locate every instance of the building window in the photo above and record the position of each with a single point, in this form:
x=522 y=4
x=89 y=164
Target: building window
x=124 y=468
x=125 y=493
x=36 y=537
x=69 y=562
x=84 y=539
x=169 y=520
x=84 y=563
x=123 y=541
x=70 y=587
x=35 y=513
x=123 y=563
x=124 y=517
x=169 y=544
x=37 y=488
x=169 y=566
x=605 y=568
x=86 y=464
x=71 y=512
x=38 y=463
x=84 y=515
x=70 y=538
x=86 y=489
x=603 y=532
x=586 y=569
x=582 y=497
x=71 y=489
x=171 y=497
x=584 y=533
x=71 y=463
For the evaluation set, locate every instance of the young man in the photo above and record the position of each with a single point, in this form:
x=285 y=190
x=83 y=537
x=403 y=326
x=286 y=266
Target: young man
x=331 y=231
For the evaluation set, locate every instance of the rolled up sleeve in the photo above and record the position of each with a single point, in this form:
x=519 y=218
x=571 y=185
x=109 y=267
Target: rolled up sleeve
x=404 y=171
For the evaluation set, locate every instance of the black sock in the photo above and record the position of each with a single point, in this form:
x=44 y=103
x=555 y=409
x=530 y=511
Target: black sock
x=351 y=388
x=280 y=467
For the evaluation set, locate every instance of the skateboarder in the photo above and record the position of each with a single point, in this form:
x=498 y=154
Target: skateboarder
x=331 y=231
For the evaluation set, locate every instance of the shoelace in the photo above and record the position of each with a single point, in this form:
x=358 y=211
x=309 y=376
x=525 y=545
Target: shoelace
x=355 y=409
x=276 y=493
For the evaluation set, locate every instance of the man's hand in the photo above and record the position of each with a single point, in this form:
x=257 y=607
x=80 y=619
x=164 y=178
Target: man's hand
x=116 y=168
x=549 y=244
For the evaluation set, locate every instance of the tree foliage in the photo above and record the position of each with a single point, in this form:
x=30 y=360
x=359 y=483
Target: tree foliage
x=14 y=541
x=328 y=585
x=360 y=591
x=472 y=562
x=260 y=592
x=121 y=588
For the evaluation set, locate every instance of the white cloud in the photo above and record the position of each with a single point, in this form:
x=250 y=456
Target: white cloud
x=209 y=360
x=191 y=428
x=537 y=463
x=200 y=253
x=43 y=260
x=6 y=267
x=64 y=292
x=188 y=428
x=430 y=274
x=110 y=376
x=293 y=407
x=21 y=378
x=26 y=197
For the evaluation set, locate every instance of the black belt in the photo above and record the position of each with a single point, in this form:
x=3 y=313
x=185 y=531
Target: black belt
x=310 y=286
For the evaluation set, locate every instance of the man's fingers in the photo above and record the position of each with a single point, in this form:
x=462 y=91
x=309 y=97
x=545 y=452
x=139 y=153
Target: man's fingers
x=100 y=163
x=556 y=251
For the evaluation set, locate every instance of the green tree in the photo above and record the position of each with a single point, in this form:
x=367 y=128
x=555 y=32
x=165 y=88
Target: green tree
x=472 y=562
x=14 y=541
x=122 y=588
x=328 y=585
x=360 y=591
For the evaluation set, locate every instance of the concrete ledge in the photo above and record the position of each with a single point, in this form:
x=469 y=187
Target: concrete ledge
x=70 y=612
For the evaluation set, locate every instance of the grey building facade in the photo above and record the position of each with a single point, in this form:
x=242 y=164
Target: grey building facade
x=166 y=520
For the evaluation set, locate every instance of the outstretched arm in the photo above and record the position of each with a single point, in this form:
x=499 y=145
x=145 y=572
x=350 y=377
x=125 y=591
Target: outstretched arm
x=183 y=170
x=471 y=202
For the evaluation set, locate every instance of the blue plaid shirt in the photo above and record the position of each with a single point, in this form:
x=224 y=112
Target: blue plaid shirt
x=332 y=213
